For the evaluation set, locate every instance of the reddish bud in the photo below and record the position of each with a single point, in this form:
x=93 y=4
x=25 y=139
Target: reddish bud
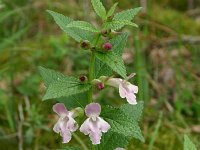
x=107 y=46
x=83 y=78
x=100 y=86
x=85 y=44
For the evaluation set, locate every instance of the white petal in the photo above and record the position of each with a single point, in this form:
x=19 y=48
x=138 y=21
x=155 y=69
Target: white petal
x=131 y=98
x=132 y=88
x=122 y=91
x=103 y=125
x=85 y=127
x=115 y=82
x=95 y=137
x=60 y=109
x=56 y=128
x=66 y=135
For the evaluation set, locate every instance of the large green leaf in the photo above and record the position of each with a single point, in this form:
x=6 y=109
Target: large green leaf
x=49 y=76
x=99 y=8
x=101 y=68
x=119 y=42
x=59 y=85
x=188 y=144
x=82 y=25
x=75 y=33
x=65 y=87
x=114 y=61
x=124 y=126
x=78 y=100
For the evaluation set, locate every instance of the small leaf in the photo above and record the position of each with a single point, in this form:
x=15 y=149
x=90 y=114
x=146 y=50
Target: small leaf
x=75 y=33
x=188 y=144
x=114 y=61
x=82 y=25
x=117 y=24
x=127 y=15
x=112 y=10
x=99 y=8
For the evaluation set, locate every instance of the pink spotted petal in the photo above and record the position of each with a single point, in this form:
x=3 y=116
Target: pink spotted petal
x=72 y=124
x=122 y=91
x=131 y=98
x=103 y=125
x=119 y=148
x=93 y=110
x=60 y=109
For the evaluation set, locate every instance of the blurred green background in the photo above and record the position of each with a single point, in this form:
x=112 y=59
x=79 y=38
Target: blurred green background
x=164 y=52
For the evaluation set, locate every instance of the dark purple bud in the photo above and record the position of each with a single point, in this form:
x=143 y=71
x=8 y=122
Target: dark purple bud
x=100 y=86
x=83 y=78
x=107 y=46
x=85 y=44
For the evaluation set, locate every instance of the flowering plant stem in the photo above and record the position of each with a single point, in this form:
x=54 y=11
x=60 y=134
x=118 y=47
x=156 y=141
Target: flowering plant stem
x=91 y=69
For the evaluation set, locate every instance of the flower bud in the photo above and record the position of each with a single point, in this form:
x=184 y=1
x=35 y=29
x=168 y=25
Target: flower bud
x=100 y=86
x=78 y=112
x=83 y=79
x=106 y=32
x=107 y=46
x=85 y=44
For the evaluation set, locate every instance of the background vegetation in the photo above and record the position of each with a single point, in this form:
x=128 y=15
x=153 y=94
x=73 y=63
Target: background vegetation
x=164 y=52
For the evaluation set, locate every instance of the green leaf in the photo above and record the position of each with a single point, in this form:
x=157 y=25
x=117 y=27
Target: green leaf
x=112 y=10
x=75 y=33
x=49 y=76
x=188 y=144
x=114 y=61
x=99 y=8
x=119 y=42
x=78 y=100
x=100 y=69
x=82 y=25
x=124 y=126
x=65 y=87
x=59 y=85
x=127 y=15
x=117 y=24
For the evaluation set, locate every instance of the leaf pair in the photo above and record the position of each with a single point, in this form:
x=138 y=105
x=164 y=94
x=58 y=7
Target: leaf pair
x=59 y=85
x=124 y=125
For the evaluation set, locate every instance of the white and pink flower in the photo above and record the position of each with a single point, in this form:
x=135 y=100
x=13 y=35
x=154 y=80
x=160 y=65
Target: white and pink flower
x=126 y=89
x=94 y=125
x=66 y=123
